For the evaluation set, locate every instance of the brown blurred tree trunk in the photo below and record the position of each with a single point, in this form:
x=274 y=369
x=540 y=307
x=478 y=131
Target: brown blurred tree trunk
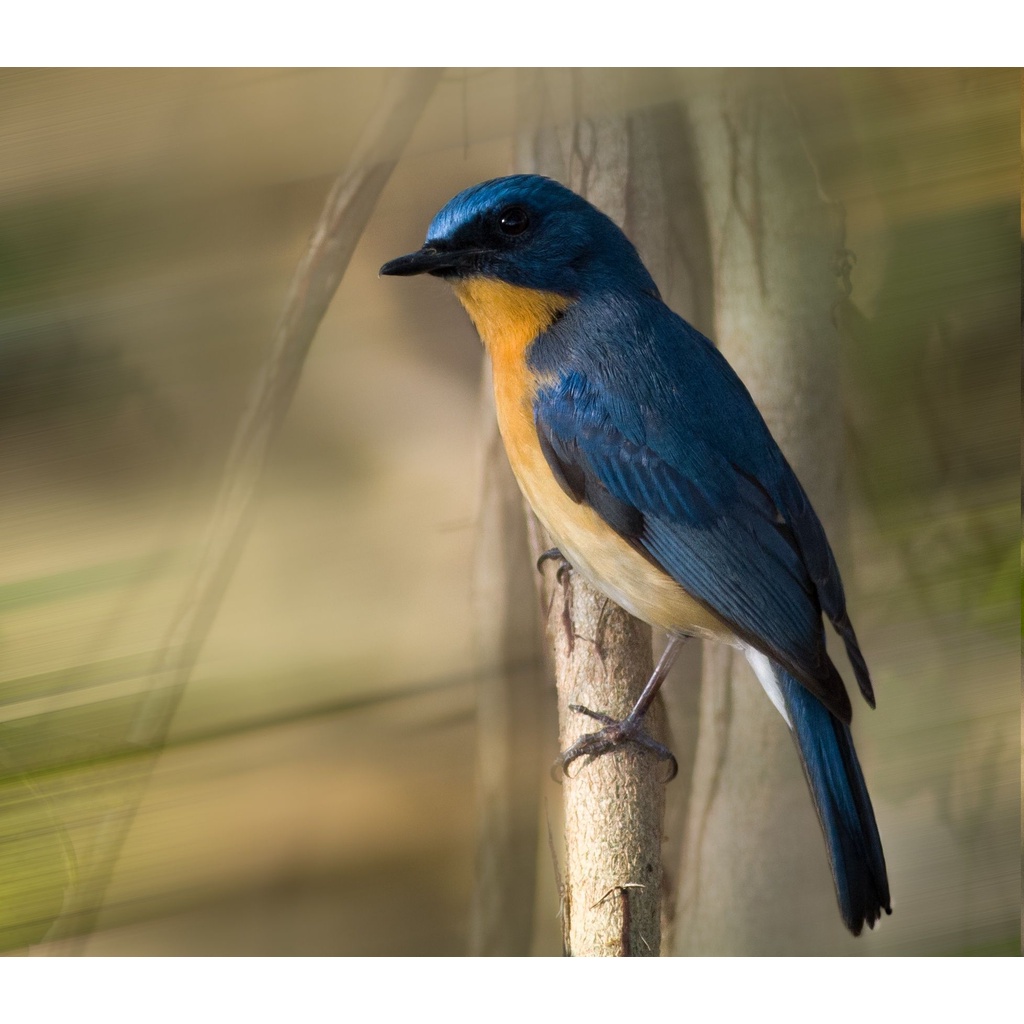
x=754 y=874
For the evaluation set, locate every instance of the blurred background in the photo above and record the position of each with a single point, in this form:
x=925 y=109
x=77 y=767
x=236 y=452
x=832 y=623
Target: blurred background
x=316 y=791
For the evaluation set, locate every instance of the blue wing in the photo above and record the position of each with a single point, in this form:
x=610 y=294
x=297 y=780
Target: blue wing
x=679 y=461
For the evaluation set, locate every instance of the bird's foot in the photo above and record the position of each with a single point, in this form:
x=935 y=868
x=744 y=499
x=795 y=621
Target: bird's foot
x=613 y=735
x=554 y=555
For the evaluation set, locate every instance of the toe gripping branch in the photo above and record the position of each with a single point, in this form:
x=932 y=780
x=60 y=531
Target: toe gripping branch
x=554 y=555
x=629 y=730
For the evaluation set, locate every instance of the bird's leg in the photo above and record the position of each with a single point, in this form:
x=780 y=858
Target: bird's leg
x=629 y=729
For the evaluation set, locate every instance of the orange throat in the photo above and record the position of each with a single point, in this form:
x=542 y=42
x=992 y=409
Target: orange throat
x=508 y=317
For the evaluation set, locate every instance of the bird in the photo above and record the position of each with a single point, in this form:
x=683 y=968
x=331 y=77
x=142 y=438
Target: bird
x=644 y=456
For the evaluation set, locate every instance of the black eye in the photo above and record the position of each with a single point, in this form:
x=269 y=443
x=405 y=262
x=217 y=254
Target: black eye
x=513 y=220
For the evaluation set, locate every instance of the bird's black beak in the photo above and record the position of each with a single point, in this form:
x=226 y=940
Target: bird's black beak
x=427 y=260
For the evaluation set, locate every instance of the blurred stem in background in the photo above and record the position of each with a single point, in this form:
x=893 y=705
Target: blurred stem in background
x=347 y=209
x=754 y=879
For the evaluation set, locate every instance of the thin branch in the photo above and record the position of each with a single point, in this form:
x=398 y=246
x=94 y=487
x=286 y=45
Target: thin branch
x=614 y=805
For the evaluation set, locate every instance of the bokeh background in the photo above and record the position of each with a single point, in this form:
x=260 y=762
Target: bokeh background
x=316 y=794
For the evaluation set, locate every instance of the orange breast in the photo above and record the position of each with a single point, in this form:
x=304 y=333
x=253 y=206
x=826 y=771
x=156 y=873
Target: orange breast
x=509 y=318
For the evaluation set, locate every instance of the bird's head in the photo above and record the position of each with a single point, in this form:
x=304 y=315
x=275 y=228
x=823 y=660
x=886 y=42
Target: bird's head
x=527 y=231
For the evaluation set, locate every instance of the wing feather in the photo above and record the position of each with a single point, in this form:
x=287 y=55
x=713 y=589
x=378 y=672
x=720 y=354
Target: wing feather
x=715 y=531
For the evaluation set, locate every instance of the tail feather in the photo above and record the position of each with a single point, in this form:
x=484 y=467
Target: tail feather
x=860 y=668
x=843 y=805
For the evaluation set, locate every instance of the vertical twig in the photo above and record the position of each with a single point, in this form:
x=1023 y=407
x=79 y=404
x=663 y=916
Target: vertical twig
x=614 y=805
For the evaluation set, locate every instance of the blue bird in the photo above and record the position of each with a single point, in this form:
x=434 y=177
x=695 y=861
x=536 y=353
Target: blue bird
x=644 y=456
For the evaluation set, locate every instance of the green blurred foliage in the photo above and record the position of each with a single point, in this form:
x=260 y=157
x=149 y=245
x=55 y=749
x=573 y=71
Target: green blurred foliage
x=36 y=864
x=936 y=416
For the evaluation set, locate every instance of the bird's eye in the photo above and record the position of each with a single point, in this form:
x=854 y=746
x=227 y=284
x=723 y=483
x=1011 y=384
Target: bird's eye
x=513 y=220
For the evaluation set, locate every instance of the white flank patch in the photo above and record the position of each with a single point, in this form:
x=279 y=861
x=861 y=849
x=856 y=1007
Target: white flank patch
x=763 y=670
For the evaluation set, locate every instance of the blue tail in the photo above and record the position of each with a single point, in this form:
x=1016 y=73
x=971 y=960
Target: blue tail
x=843 y=805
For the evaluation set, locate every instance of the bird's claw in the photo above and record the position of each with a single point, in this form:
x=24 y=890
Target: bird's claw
x=554 y=555
x=613 y=735
x=551 y=555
